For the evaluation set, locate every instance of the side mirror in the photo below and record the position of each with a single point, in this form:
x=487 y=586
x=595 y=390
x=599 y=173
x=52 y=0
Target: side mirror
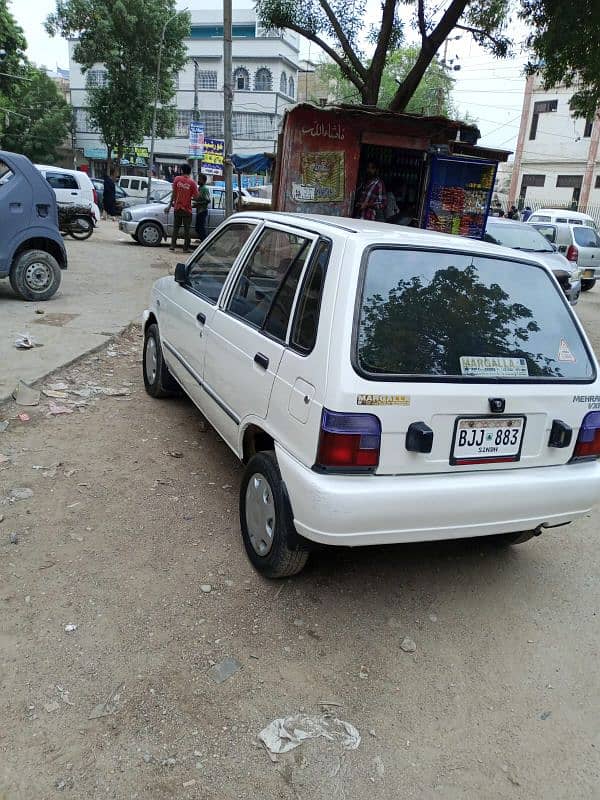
x=180 y=273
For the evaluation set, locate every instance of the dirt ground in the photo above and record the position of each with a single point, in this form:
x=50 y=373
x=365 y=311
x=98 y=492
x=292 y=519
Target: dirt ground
x=134 y=512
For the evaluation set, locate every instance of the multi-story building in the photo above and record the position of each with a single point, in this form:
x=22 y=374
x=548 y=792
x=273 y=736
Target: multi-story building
x=265 y=80
x=557 y=156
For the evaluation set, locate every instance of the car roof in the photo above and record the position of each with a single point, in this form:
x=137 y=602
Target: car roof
x=565 y=212
x=515 y=223
x=372 y=232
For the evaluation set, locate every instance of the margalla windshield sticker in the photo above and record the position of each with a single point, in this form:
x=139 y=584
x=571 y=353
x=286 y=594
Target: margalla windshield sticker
x=428 y=313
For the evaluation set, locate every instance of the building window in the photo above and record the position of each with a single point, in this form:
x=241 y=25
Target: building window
x=589 y=124
x=83 y=123
x=597 y=184
x=207 y=79
x=176 y=80
x=254 y=126
x=291 y=88
x=571 y=182
x=213 y=123
x=97 y=77
x=263 y=80
x=530 y=180
x=542 y=107
x=283 y=83
x=241 y=80
x=182 y=126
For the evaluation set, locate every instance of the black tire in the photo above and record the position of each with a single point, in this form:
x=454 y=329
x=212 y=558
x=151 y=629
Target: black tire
x=157 y=379
x=149 y=234
x=586 y=285
x=35 y=275
x=85 y=229
x=509 y=539
x=285 y=552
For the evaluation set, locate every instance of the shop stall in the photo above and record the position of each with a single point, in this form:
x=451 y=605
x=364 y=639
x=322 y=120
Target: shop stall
x=434 y=174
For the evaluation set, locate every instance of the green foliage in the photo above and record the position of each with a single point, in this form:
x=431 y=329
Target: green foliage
x=125 y=36
x=432 y=95
x=566 y=47
x=34 y=116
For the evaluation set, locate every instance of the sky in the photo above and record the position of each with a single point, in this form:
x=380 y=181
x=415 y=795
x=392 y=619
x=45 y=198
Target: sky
x=490 y=90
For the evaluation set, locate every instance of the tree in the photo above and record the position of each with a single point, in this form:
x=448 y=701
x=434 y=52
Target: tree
x=432 y=96
x=126 y=36
x=336 y=27
x=41 y=118
x=565 y=45
x=34 y=116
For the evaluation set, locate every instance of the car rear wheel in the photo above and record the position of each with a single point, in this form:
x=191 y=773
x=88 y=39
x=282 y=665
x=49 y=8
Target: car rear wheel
x=586 y=285
x=509 y=539
x=149 y=234
x=35 y=275
x=270 y=539
x=157 y=379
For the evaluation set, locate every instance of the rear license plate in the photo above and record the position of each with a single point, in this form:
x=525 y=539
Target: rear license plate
x=483 y=440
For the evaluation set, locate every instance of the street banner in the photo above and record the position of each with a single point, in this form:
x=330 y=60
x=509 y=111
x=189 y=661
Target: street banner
x=212 y=160
x=196 y=141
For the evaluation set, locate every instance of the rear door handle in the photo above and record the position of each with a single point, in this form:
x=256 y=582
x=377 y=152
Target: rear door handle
x=261 y=360
x=201 y=318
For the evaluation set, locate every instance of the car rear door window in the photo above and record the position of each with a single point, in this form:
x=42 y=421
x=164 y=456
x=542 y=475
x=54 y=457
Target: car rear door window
x=210 y=268
x=61 y=180
x=448 y=315
x=585 y=237
x=547 y=231
x=263 y=286
x=306 y=322
x=124 y=183
x=135 y=185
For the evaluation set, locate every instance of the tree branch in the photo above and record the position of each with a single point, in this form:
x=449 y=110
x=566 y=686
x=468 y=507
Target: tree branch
x=421 y=18
x=431 y=44
x=377 y=64
x=343 y=39
x=481 y=32
x=355 y=79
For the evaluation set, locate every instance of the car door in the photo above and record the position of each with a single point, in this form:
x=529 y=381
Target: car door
x=185 y=309
x=65 y=187
x=246 y=337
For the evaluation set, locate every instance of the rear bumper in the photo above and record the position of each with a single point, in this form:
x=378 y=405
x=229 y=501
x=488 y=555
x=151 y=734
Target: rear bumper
x=367 y=510
x=590 y=273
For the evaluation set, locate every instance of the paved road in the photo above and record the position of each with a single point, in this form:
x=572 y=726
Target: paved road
x=104 y=289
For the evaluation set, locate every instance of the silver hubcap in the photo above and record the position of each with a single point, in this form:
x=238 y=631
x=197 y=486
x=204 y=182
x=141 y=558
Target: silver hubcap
x=38 y=276
x=151 y=360
x=260 y=514
x=150 y=234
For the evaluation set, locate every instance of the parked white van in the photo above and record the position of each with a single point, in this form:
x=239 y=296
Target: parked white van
x=71 y=187
x=562 y=215
x=381 y=384
x=137 y=186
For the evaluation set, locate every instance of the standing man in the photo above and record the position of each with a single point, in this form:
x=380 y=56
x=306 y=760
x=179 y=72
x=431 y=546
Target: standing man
x=202 y=202
x=372 y=198
x=184 y=190
x=109 y=195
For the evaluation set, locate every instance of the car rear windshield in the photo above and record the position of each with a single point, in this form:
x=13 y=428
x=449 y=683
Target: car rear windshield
x=585 y=237
x=454 y=315
x=519 y=237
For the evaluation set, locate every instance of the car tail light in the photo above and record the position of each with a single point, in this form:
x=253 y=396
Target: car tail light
x=588 y=441
x=572 y=253
x=348 y=442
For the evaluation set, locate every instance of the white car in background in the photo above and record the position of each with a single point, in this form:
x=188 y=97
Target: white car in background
x=71 y=187
x=381 y=384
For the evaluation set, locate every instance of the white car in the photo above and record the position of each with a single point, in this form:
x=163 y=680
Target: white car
x=381 y=384
x=562 y=215
x=71 y=187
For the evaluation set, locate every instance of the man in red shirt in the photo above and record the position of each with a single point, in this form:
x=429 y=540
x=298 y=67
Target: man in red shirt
x=184 y=191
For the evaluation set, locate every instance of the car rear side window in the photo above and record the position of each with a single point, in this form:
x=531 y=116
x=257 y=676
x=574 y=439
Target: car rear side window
x=135 y=185
x=449 y=315
x=209 y=270
x=306 y=322
x=268 y=283
x=547 y=231
x=586 y=237
x=61 y=180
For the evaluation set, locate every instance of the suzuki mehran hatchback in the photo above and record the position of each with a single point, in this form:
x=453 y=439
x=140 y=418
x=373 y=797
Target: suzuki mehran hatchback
x=381 y=384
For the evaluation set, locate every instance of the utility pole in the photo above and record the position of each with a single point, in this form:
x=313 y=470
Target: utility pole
x=227 y=107
x=196 y=115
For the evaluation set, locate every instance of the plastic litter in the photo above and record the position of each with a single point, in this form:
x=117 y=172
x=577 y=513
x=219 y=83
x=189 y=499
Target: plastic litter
x=70 y=628
x=24 y=417
x=110 y=705
x=19 y=493
x=3 y=425
x=24 y=395
x=57 y=394
x=55 y=409
x=25 y=341
x=224 y=669
x=286 y=733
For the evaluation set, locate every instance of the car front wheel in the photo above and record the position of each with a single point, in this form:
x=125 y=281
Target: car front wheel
x=157 y=379
x=586 y=285
x=35 y=275
x=149 y=234
x=270 y=539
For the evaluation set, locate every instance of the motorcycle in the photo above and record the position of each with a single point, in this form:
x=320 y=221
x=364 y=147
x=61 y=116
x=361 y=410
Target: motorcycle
x=76 y=221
